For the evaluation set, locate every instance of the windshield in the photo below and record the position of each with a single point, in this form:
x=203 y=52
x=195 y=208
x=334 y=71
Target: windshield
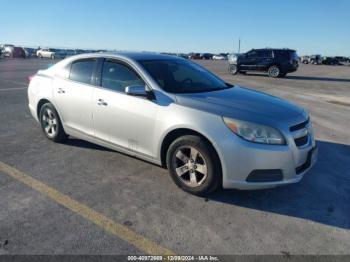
x=181 y=76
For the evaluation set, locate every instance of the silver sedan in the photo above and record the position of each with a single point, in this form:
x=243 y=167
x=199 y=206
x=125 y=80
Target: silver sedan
x=174 y=113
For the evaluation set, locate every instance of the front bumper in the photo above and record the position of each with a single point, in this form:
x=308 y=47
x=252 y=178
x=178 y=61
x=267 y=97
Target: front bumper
x=241 y=158
x=289 y=176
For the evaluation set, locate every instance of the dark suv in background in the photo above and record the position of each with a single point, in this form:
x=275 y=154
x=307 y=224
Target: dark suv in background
x=276 y=62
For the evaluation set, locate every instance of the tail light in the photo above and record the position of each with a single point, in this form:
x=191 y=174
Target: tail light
x=30 y=78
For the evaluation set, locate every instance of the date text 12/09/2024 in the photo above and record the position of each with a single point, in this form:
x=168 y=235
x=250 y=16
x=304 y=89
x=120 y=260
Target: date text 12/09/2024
x=173 y=258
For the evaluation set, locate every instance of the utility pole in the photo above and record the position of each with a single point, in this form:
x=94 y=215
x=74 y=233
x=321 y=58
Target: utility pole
x=239 y=45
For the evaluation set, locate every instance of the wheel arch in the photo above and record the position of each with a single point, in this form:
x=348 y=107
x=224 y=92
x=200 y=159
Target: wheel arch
x=178 y=132
x=41 y=102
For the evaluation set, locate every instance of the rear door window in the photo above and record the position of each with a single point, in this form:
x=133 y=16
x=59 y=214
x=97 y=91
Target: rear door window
x=82 y=70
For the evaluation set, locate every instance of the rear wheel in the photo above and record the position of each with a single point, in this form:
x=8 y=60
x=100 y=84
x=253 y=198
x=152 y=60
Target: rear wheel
x=194 y=165
x=232 y=69
x=51 y=123
x=273 y=71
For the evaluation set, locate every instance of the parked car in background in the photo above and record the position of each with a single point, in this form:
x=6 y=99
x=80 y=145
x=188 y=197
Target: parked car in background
x=219 y=57
x=182 y=55
x=51 y=53
x=342 y=59
x=88 y=51
x=18 y=52
x=175 y=113
x=327 y=60
x=12 y=51
x=276 y=62
x=70 y=52
x=304 y=59
x=79 y=51
x=315 y=59
x=205 y=56
x=194 y=56
x=30 y=52
x=7 y=49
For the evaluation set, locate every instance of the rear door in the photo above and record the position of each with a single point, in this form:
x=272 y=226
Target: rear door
x=73 y=92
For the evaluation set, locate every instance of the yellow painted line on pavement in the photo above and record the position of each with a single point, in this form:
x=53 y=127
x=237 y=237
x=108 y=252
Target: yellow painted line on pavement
x=122 y=232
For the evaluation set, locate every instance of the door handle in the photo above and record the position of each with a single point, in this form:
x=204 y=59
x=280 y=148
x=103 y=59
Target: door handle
x=101 y=102
x=61 y=91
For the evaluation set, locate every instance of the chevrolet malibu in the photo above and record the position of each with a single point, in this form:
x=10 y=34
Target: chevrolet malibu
x=174 y=113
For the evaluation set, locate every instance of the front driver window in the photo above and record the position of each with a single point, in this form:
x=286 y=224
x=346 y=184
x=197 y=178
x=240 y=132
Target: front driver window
x=116 y=76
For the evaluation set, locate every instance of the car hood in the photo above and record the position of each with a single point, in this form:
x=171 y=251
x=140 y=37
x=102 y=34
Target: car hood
x=242 y=103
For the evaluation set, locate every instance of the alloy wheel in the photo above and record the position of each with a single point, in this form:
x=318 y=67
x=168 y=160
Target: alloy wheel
x=274 y=71
x=190 y=166
x=49 y=122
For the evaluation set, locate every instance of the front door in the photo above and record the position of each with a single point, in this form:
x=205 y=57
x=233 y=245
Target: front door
x=124 y=120
x=249 y=61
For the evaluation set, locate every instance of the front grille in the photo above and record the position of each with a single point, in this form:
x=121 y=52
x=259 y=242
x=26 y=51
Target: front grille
x=299 y=126
x=300 y=133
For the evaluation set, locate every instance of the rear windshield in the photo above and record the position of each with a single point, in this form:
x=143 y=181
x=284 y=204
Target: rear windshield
x=294 y=55
x=182 y=76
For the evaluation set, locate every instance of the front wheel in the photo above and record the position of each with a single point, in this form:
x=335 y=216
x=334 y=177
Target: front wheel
x=273 y=71
x=51 y=123
x=232 y=69
x=194 y=165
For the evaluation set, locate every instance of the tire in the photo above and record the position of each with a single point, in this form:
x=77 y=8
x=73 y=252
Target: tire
x=40 y=56
x=199 y=175
x=273 y=71
x=51 y=123
x=232 y=69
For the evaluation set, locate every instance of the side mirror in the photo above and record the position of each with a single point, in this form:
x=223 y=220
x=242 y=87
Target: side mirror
x=137 y=90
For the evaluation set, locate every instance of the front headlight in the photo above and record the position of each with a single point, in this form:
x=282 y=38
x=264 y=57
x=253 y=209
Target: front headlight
x=254 y=132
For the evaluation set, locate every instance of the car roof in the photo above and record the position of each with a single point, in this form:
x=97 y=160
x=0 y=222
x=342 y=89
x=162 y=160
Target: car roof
x=139 y=55
x=273 y=49
x=128 y=56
